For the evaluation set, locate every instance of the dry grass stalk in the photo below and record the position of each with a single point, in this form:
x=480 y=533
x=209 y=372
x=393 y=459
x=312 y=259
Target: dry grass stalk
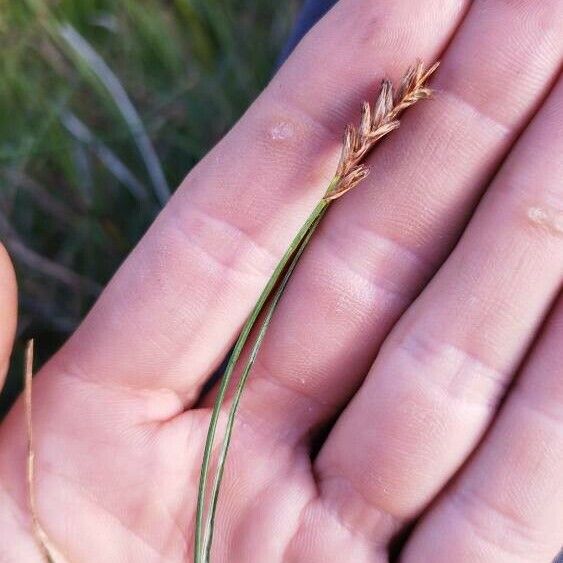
x=48 y=550
x=376 y=122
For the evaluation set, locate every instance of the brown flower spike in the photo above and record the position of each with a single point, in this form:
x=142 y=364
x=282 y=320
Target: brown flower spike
x=376 y=122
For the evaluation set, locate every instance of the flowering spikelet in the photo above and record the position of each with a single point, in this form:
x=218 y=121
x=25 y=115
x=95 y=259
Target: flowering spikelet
x=375 y=123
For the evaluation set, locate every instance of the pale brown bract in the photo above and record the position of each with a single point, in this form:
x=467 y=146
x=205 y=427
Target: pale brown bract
x=48 y=550
x=376 y=122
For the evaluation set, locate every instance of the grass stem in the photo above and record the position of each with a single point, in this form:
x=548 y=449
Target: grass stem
x=199 y=555
x=242 y=382
x=48 y=550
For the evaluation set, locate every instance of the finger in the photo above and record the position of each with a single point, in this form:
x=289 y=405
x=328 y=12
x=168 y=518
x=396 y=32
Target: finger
x=507 y=505
x=172 y=311
x=438 y=379
x=8 y=311
x=381 y=243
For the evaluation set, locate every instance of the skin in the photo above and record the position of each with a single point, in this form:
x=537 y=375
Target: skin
x=412 y=376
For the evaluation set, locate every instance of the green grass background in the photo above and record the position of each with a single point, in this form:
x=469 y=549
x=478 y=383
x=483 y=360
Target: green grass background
x=104 y=106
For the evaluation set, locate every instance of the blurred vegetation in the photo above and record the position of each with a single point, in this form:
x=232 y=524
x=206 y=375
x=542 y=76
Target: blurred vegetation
x=104 y=107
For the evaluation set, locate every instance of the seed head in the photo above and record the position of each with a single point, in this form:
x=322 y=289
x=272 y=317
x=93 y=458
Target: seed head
x=376 y=122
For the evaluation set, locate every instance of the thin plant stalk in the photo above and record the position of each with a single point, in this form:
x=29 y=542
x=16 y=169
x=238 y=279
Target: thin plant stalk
x=237 y=350
x=376 y=122
x=48 y=551
x=242 y=382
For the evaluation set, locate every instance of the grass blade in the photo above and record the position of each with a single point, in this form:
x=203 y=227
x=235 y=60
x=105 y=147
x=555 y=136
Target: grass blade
x=43 y=198
x=44 y=266
x=96 y=64
x=112 y=162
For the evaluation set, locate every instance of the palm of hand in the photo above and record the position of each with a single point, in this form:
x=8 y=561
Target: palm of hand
x=112 y=478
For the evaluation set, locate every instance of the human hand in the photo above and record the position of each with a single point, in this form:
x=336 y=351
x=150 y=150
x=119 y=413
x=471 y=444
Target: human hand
x=407 y=344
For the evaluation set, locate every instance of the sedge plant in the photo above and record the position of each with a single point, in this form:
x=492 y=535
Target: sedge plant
x=376 y=122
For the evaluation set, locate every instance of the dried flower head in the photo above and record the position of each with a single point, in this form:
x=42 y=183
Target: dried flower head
x=375 y=123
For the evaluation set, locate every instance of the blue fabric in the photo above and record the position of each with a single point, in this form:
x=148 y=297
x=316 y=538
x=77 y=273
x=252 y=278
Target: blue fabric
x=311 y=13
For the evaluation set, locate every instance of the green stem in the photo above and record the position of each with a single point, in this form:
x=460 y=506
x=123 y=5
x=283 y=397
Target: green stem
x=199 y=554
x=242 y=382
